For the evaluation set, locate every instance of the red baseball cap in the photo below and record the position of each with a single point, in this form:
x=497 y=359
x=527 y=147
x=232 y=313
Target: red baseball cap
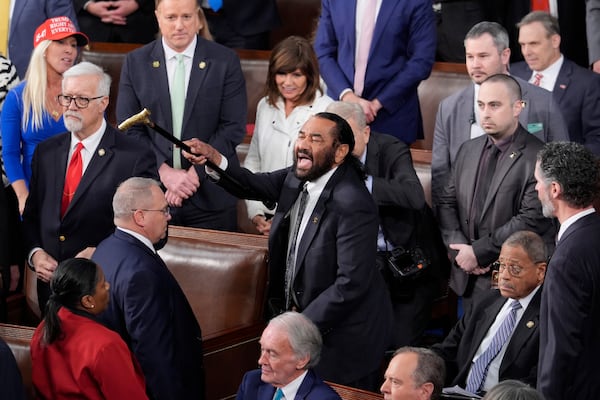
x=58 y=28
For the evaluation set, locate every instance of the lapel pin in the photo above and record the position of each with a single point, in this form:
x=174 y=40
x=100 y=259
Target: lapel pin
x=315 y=220
x=101 y=152
x=513 y=155
x=202 y=65
x=530 y=324
x=563 y=87
x=156 y=64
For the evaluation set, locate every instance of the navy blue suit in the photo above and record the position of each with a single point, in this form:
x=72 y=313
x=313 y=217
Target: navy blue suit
x=27 y=16
x=215 y=111
x=311 y=388
x=570 y=315
x=336 y=283
x=577 y=93
x=401 y=56
x=151 y=313
x=89 y=217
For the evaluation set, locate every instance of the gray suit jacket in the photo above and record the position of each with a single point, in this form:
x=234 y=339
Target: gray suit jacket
x=593 y=29
x=541 y=116
x=511 y=205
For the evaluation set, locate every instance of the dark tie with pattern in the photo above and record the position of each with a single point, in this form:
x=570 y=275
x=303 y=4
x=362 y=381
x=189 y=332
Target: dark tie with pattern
x=291 y=257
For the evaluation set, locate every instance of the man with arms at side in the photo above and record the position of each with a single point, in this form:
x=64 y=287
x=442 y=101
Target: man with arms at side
x=468 y=348
x=491 y=192
x=25 y=17
x=414 y=373
x=194 y=88
x=575 y=89
x=375 y=53
x=322 y=263
x=290 y=347
x=457 y=120
x=147 y=306
x=568 y=179
x=74 y=176
x=405 y=221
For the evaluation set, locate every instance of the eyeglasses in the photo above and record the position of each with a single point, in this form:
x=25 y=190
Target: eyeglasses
x=80 y=102
x=513 y=270
x=166 y=210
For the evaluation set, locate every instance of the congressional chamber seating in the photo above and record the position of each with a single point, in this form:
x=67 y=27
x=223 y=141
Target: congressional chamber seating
x=224 y=277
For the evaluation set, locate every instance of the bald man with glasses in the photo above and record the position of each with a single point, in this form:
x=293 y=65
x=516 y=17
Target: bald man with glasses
x=499 y=338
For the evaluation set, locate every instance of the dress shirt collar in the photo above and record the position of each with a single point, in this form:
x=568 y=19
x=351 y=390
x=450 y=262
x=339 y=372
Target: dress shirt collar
x=290 y=390
x=139 y=237
x=91 y=142
x=526 y=300
x=316 y=187
x=572 y=219
x=188 y=52
x=550 y=74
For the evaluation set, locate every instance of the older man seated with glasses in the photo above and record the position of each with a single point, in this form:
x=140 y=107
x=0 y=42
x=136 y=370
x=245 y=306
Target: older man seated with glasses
x=499 y=338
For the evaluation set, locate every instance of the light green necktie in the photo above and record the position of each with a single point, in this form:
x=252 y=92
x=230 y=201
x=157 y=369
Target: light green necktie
x=178 y=105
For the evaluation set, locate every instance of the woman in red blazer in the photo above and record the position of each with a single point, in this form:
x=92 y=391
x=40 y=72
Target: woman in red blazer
x=72 y=354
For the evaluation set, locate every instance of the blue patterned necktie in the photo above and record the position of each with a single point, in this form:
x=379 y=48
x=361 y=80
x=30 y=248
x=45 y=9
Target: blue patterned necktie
x=215 y=4
x=279 y=395
x=480 y=367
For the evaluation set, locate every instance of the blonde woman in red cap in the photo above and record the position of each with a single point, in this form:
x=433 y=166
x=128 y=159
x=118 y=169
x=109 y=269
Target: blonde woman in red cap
x=31 y=112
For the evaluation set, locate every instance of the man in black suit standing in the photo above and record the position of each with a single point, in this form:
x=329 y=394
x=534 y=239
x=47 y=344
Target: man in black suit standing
x=575 y=89
x=322 y=258
x=568 y=179
x=194 y=88
x=521 y=268
x=66 y=217
x=490 y=193
x=405 y=221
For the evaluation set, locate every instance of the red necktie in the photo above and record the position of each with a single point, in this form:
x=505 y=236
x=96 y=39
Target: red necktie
x=540 y=5
x=72 y=178
x=537 y=79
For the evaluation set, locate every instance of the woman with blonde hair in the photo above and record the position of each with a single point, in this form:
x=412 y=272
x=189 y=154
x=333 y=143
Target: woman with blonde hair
x=293 y=94
x=31 y=112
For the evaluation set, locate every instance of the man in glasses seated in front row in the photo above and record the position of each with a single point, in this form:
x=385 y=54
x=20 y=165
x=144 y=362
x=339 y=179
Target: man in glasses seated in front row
x=498 y=338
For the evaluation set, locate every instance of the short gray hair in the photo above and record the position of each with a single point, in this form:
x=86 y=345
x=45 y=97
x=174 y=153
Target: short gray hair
x=303 y=335
x=430 y=368
x=132 y=194
x=549 y=22
x=87 y=68
x=530 y=242
x=494 y=29
x=348 y=111
x=512 y=390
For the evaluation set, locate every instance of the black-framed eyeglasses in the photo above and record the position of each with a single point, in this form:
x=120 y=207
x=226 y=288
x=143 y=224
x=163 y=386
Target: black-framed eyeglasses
x=80 y=102
x=165 y=210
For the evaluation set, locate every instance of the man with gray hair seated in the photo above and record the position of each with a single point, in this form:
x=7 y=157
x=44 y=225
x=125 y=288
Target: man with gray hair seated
x=414 y=373
x=290 y=347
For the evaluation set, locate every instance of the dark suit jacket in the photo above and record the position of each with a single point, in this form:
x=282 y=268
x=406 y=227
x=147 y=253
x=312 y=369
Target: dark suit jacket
x=512 y=203
x=541 y=117
x=405 y=218
x=151 y=313
x=27 y=16
x=89 y=217
x=336 y=283
x=311 y=388
x=215 y=107
x=141 y=24
x=401 y=56
x=570 y=317
x=461 y=344
x=577 y=92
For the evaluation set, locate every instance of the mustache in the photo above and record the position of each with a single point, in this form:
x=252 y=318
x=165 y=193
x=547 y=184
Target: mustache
x=305 y=152
x=74 y=114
